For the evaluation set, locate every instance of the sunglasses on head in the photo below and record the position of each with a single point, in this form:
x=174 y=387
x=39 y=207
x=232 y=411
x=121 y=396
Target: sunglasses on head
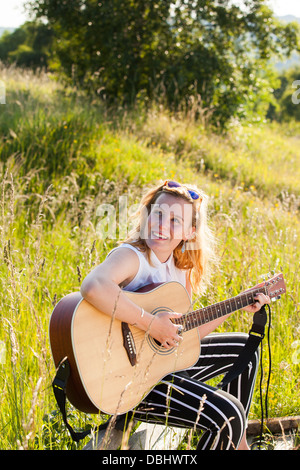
x=173 y=184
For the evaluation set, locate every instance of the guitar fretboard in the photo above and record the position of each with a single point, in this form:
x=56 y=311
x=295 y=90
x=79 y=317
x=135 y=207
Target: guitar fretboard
x=207 y=314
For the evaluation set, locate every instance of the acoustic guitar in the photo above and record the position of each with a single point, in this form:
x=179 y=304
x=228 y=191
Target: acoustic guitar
x=114 y=365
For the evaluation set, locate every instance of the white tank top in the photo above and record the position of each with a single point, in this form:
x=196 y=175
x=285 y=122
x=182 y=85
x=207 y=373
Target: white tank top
x=154 y=272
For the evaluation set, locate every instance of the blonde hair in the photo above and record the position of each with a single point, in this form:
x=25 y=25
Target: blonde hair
x=199 y=254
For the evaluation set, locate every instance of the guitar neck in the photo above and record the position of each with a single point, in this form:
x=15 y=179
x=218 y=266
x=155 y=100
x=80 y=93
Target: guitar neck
x=204 y=315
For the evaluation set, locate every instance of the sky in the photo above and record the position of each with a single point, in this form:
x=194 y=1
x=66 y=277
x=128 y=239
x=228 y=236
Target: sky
x=12 y=14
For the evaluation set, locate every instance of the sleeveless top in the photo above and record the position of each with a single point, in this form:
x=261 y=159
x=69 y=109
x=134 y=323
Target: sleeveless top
x=154 y=272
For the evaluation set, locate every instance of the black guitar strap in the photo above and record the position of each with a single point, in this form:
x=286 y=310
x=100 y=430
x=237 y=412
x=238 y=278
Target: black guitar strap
x=59 y=386
x=256 y=335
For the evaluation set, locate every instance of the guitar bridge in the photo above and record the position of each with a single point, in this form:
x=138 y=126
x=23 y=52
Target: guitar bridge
x=129 y=344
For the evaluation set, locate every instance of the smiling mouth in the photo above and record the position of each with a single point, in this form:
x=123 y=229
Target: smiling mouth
x=160 y=236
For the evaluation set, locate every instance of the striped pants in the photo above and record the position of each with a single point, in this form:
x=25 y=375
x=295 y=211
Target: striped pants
x=183 y=399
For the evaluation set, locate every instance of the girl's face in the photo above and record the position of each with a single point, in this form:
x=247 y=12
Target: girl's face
x=169 y=222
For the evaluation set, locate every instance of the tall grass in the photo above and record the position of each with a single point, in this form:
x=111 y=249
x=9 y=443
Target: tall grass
x=61 y=156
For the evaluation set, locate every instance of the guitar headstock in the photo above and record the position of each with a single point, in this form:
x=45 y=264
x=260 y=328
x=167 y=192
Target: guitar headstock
x=275 y=286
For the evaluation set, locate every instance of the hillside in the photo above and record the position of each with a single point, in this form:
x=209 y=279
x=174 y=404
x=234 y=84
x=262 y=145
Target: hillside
x=62 y=157
x=289 y=18
x=294 y=60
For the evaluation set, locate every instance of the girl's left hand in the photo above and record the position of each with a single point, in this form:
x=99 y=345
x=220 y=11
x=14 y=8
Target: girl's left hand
x=261 y=299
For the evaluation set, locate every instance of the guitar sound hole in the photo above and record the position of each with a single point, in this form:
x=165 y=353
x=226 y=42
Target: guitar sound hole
x=154 y=343
x=157 y=346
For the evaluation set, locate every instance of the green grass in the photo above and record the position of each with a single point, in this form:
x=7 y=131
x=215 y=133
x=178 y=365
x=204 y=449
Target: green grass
x=61 y=156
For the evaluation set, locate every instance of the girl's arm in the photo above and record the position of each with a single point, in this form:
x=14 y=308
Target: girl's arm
x=101 y=288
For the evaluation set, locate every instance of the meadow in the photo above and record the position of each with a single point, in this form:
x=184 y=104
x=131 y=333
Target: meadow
x=62 y=155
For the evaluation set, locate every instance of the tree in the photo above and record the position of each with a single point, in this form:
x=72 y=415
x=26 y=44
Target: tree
x=9 y=42
x=27 y=46
x=287 y=96
x=123 y=49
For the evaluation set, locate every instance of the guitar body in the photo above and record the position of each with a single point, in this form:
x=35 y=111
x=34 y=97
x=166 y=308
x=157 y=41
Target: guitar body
x=102 y=377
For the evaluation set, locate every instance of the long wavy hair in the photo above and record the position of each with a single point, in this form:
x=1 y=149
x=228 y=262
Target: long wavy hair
x=199 y=255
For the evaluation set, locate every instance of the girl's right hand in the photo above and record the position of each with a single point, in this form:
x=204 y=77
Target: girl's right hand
x=164 y=330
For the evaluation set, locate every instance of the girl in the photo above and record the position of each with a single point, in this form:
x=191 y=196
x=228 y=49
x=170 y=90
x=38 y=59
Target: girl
x=172 y=241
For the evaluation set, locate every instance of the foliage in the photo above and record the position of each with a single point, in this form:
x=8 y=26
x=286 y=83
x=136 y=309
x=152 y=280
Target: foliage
x=27 y=46
x=125 y=50
x=286 y=107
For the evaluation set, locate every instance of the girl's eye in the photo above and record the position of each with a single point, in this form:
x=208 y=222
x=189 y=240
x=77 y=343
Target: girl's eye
x=176 y=221
x=156 y=212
